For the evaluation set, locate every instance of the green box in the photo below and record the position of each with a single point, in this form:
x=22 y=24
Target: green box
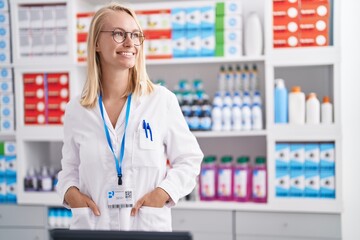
x=219 y=50
x=219 y=22
x=2 y=148
x=219 y=37
x=220 y=9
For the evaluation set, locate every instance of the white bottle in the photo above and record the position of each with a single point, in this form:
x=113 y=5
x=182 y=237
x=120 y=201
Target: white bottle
x=227 y=99
x=226 y=118
x=246 y=98
x=230 y=79
x=216 y=118
x=237 y=78
x=253 y=36
x=326 y=111
x=256 y=98
x=254 y=83
x=218 y=101
x=312 y=109
x=245 y=79
x=296 y=106
x=45 y=180
x=236 y=117
x=246 y=117
x=222 y=79
x=256 y=116
x=237 y=99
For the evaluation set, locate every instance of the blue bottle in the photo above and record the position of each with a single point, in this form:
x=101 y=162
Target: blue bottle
x=280 y=102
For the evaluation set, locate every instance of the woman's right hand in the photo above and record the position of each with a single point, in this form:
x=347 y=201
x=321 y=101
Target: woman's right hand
x=75 y=199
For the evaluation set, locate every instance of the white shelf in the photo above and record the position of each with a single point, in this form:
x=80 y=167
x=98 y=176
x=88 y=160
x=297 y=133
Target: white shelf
x=204 y=60
x=286 y=132
x=7 y=135
x=41 y=133
x=305 y=56
x=215 y=134
x=39 y=198
x=319 y=205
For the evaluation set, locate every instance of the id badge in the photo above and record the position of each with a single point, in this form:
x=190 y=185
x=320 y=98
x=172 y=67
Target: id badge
x=120 y=197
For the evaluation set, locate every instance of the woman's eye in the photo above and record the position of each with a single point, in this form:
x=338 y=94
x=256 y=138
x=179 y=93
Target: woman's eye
x=119 y=34
x=136 y=35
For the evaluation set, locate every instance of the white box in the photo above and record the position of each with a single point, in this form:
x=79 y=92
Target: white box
x=5 y=56
x=233 y=36
x=160 y=20
x=312 y=156
x=231 y=7
x=10 y=148
x=61 y=38
x=327 y=155
x=232 y=50
x=7 y=125
x=5 y=43
x=61 y=16
x=49 y=46
x=37 y=43
x=179 y=43
x=7 y=111
x=11 y=165
x=48 y=17
x=207 y=17
x=6 y=99
x=282 y=183
x=5 y=73
x=4 y=5
x=207 y=42
x=36 y=19
x=25 y=43
x=83 y=21
x=233 y=22
x=143 y=20
x=297 y=183
x=4 y=31
x=4 y=18
x=193 y=43
x=24 y=17
x=6 y=86
x=282 y=156
x=297 y=156
x=312 y=183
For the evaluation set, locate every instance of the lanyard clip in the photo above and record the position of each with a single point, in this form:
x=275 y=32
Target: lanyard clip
x=120 y=179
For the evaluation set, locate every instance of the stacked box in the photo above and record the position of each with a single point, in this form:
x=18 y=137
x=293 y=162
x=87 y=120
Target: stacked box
x=5 y=44
x=297 y=178
x=83 y=21
x=312 y=167
x=301 y=23
x=45 y=97
x=282 y=166
x=229 y=28
x=7 y=106
x=8 y=169
x=43 y=30
x=327 y=170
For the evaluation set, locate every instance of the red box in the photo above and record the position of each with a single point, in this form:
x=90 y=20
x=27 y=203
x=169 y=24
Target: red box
x=320 y=9
x=57 y=104
x=285 y=40
x=34 y=117
x=31 y=104
x=56 y=117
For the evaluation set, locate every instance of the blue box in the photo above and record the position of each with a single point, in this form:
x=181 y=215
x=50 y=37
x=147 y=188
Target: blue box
x=193 y=43
x=10 y=170
x=312 y=156
x=327 y=156
x=193 y=18
x=327 y=183
x=11 y=190
x=297 y=156
x=2 y=189
x=312 y=183
x=178 y=18
x=207 y=17
x=282 y=183
x=4 y=5
x=179 y=43
x=297 y=183
x=208 y=42
x=282 y=156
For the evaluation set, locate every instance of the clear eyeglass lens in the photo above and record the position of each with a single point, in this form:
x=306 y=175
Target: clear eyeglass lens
x=120 y=36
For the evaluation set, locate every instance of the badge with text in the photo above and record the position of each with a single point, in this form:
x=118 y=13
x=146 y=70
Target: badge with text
x=120 y=197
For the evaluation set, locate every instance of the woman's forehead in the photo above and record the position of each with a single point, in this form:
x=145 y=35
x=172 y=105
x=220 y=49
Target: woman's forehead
x=120 y=19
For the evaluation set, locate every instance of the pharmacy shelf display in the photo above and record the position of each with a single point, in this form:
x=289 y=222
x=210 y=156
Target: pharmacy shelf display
x=315 y=68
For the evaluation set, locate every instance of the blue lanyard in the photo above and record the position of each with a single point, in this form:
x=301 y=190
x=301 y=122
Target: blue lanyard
x=117 y=162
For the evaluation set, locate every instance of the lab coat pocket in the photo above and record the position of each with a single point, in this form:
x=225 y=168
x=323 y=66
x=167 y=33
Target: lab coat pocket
x=153 y=219
x=82 y=218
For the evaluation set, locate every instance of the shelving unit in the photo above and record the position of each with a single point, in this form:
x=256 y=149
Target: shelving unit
x=314 y=68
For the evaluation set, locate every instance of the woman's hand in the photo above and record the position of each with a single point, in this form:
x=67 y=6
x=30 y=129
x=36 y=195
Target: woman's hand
x=156 y=198
x=75 y=199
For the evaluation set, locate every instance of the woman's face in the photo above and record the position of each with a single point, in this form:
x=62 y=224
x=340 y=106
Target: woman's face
x=119 y=55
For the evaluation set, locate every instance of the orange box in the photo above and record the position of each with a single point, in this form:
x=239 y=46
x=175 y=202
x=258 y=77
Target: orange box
x=285 y=40
x=312 y=38
x=320 y=9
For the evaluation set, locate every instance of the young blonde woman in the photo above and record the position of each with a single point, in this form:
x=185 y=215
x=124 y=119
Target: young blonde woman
x=119 y=134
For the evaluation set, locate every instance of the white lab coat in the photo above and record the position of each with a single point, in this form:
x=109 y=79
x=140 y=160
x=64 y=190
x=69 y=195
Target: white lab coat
x=88 y=162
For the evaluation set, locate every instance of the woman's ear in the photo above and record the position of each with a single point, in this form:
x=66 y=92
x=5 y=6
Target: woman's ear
x=97 y=49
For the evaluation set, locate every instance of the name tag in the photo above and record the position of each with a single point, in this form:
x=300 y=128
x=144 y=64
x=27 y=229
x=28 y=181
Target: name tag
x=120 y=197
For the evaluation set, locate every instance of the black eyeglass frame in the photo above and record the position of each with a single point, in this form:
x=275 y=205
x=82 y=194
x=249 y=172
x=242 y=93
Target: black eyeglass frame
x=141 y=35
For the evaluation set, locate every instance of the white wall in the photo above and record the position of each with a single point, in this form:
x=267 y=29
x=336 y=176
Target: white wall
x=350 y=92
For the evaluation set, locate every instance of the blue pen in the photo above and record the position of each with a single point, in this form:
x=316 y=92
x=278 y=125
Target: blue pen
x=145 y=129
x=148 y=127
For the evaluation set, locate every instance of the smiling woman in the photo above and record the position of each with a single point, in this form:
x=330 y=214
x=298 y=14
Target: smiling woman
x=114 y=173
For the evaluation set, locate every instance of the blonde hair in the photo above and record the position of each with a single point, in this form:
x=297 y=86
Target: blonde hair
x=139 y=82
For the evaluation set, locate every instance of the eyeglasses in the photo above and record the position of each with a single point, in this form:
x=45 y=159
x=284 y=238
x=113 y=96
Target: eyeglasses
x=120 y=35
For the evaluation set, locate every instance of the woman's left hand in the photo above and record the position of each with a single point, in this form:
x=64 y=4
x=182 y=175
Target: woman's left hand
x=156 y=198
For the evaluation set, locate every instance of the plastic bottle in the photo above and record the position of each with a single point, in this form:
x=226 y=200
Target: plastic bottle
x=256 y=98
x=296 y=106
x=280 y=102
x=246 y=98
x=208 y=179
x=225 y=184
x=218 y=101
x=242 y=179
x=312 y=109
x=30 y=181
x=253 y=36
x=254 y=83
x=237 y=98
x=237 y=78
x=236 y=121
x=226 y=118
x=256 y=117
x=222 y=79
x=216 y=118
x=246 y=117
x=245 y=79
x=230 y=79
x=227 y=99
x=259 y=180
x=45 y=180
x=326 y=111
